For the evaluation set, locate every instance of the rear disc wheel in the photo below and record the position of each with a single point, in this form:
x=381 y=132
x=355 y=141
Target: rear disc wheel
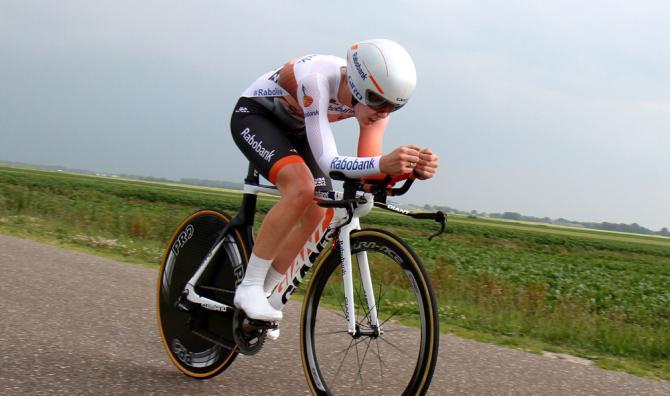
x=198 y=341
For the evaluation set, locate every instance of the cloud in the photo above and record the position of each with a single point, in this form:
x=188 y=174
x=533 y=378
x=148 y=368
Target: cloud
x=547 y=107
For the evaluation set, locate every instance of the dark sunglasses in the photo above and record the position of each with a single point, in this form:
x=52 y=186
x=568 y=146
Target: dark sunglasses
x=378 y=103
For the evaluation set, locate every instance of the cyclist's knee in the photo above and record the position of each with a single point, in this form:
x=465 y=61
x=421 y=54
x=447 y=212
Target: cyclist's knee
x=302 y=194
x=296 y=184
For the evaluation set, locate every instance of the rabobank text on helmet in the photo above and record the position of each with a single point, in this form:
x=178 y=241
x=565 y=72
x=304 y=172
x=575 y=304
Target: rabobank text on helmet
x=358 y=66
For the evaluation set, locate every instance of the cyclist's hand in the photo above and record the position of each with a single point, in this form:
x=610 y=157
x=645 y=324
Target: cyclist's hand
x=427 y=165
x=401 y=160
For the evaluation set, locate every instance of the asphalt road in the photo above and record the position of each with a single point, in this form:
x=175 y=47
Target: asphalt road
x=79 y=324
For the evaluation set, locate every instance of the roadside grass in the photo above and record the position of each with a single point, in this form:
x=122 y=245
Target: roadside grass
x=562 y=229
x=599 y=295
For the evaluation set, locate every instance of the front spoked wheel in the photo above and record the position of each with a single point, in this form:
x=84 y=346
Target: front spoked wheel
x=400 y=357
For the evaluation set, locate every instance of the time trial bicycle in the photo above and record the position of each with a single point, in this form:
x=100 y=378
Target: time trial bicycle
x=369 y=318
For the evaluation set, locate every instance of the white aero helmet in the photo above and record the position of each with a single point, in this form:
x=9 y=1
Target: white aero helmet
x=380 y=74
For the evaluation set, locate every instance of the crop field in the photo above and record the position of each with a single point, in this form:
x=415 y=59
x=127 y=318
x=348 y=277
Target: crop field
x=600 y=295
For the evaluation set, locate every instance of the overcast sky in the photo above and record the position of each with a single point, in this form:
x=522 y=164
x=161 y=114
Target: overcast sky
x=558 y=109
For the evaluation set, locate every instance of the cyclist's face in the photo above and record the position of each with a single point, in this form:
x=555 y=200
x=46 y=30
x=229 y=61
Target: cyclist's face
x=366 y=115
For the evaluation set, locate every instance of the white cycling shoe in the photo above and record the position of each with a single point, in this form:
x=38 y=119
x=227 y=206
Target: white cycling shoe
x=251 y=299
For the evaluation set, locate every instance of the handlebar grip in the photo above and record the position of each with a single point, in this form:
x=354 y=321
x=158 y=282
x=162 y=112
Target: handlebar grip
x=402 y=189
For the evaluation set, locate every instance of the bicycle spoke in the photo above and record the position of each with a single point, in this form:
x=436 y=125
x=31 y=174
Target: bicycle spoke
x=389 y=318
x=399 y=330
x=381 y=363
x=396 y=347
x=346 y=352
x=360 y=367
x=332 y=332
x=377 y=304
x=378 y=353
x=367 y=315
x=337 y=373
x=336 y=313
x=352 y=343
x=358 y=359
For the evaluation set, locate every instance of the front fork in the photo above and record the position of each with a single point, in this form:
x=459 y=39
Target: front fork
x=344 y=243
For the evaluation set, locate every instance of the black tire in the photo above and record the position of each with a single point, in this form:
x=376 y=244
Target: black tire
x=182 y=332
x=398 y=274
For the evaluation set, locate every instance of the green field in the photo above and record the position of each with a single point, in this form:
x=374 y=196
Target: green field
x=596 y=294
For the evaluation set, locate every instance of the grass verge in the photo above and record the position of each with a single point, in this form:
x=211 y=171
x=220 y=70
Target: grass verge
x=601 y=296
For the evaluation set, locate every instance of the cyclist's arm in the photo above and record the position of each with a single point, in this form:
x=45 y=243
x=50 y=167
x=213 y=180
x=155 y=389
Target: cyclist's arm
x=371 y=137
x=313 y=96
x=370 y=142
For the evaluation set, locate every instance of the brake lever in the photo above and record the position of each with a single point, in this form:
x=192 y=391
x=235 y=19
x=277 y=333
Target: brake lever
x=438 y=216
x=442 y=219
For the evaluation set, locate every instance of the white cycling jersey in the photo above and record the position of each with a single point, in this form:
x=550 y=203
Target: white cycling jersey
x=303 y=93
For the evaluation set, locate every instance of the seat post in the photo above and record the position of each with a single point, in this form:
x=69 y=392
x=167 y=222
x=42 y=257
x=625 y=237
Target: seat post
x=252 y=175
x=247 y=211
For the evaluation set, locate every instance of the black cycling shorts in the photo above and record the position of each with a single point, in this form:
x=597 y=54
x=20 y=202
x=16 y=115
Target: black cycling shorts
x=269 y=144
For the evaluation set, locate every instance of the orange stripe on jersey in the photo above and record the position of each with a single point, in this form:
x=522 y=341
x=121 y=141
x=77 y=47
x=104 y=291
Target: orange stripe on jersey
x=287 y=80
x=279 y=165
x=289 y=84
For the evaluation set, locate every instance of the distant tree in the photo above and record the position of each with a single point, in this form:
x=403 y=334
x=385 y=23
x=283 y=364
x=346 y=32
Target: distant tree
x=511 y=216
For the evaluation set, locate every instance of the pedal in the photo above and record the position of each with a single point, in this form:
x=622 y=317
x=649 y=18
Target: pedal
x=272 y=334
x=262 y=324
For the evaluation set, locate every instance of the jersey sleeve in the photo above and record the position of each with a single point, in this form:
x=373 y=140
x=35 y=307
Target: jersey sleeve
x=314 y=96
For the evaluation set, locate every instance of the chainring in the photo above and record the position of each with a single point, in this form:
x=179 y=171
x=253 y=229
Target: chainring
x=249 y=339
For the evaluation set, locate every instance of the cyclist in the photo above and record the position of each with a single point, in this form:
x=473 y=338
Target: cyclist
x=282 y=125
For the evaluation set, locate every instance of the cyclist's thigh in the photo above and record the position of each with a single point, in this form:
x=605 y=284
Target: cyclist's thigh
x=321 y=180
x=262 y=139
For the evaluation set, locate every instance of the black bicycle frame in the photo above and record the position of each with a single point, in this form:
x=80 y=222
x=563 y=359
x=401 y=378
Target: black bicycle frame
x=244 y=219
